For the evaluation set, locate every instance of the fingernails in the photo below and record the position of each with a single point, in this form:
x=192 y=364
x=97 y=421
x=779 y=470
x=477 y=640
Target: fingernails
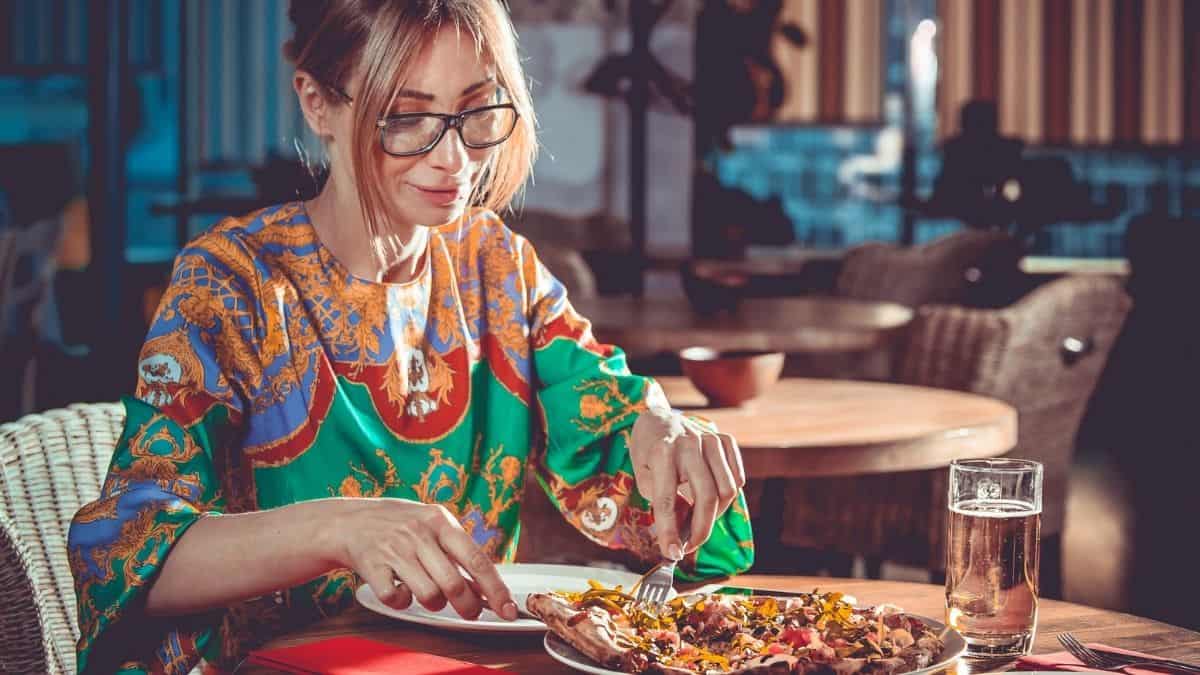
x=509 y=610
x=674 y=552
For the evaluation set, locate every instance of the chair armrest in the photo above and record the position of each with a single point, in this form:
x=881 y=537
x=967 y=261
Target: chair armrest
x=25 y=641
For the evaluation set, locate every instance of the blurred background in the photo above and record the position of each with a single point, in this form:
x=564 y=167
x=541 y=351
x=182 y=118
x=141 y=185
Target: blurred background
x=912 y=152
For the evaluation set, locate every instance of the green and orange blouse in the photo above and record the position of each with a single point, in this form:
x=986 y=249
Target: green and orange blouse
x=271 y=376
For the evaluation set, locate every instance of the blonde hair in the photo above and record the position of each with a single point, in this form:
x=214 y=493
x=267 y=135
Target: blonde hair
x=386 y=37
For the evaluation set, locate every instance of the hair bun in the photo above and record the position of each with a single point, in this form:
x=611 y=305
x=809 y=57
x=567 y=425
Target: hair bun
x=306 y=17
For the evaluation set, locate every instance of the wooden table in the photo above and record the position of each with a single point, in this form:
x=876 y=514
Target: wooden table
x=791 y=264
x=524 y=653
x=804 y=428
x=649 y=326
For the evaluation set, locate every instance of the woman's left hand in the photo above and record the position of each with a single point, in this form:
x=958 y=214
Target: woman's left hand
x=673 y=455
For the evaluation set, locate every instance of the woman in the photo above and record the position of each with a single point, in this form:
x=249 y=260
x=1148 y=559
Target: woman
x=350 y=347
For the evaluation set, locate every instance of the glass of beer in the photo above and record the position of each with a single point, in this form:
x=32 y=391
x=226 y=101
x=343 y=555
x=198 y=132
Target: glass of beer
x=992 y=558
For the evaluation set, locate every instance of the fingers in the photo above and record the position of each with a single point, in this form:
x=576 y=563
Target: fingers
x=643 y=472
x=733 y=455
x=685 y=491
x=708 y=472
x=382 y=581
x=479 y=589
x=654 y=433
x=424 y=589
x=664 y=479
x=696 y=470
x=722 y=474
x=482 y=570
x=435 y=560
x=450 y=581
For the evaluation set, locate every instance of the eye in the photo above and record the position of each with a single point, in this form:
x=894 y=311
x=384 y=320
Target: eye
x=474 y=102
x=482 y=98
x=405 y=123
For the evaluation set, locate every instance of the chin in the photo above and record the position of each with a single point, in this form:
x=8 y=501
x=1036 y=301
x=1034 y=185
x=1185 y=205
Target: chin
x=425 y=214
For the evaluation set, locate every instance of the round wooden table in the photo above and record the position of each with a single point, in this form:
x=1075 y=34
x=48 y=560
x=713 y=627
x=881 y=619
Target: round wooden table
x=804 y=428
x=649 y=326
x=523 y=653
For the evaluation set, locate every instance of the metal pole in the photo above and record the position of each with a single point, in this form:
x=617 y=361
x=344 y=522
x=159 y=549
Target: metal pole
x=908 y=157
x=183 y=179
x=108 y=73
x=641 y=18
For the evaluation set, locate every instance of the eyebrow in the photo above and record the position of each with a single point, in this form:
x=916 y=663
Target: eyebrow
x=423 y=96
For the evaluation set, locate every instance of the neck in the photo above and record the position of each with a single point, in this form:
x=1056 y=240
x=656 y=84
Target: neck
x=338 y=220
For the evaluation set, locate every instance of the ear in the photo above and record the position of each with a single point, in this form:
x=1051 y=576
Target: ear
x=313 y=104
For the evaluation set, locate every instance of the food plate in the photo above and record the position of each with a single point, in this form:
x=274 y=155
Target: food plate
x=522 y=579
x=955 y=646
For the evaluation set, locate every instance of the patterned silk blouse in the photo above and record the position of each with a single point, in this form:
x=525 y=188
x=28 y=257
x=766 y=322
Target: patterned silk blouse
x=272 y=376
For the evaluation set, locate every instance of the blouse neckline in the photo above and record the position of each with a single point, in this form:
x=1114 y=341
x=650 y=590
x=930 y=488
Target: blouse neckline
x=324 y=252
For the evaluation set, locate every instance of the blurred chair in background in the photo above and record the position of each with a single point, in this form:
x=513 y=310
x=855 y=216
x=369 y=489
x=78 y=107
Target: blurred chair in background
x=51 y=464
x=44 y=227
x=977 y=268
x=602 y=241
x=27 y=313
x=1044 y=355
x=971 y=267
x=569 y=267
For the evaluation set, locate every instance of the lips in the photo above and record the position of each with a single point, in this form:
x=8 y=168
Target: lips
x=440 y=195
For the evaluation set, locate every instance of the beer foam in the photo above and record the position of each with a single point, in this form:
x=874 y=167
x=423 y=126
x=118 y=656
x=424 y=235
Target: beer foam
x=995 y=508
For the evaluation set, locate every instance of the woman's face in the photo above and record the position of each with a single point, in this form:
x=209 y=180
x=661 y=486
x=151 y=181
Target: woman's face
x=435 y=187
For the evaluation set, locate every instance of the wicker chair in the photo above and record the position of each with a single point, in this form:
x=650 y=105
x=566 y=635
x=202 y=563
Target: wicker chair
x=20 y=650
x=51 y=464
x=969 y=267
x=1044 y=355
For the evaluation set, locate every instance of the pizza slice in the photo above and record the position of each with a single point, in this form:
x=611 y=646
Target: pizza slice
x=736 y=635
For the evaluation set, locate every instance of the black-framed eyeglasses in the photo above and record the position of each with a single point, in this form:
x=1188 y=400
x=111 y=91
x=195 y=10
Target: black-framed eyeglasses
x=408 y=134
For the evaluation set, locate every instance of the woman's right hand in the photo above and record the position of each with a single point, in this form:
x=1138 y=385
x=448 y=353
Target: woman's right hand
x=422 y=546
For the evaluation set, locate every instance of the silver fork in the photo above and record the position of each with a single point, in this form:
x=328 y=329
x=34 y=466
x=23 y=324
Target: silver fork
x=1110 y=661
x=656 y=586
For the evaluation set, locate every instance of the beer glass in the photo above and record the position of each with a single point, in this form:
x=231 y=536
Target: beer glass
x=992 y=556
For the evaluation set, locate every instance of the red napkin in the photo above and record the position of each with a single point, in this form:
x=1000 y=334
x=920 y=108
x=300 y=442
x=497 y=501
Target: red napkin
x=358 y=656
x=1064 y=661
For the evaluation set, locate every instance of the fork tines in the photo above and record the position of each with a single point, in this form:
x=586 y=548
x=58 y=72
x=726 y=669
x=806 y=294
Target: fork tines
x=1076 y=649
x=656 y=586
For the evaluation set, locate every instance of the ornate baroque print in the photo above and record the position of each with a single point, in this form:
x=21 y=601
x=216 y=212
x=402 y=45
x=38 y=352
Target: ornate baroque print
x=271 y=375
x=603 y=408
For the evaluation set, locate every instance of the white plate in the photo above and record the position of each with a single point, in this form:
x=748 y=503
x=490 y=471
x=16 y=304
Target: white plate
x=522 y=580
x=560 y=651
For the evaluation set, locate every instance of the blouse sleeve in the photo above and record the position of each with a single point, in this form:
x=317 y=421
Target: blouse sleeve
x=588 y=403
x=166 y=472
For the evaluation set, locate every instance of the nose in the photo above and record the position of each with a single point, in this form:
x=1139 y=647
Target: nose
x=450 y=155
